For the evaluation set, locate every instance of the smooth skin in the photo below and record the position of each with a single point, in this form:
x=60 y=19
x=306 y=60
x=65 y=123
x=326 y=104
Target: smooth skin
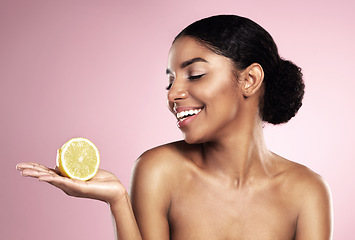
x=221 y=182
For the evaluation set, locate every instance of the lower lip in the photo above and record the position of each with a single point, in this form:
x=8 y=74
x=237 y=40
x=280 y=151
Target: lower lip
x=186 y=121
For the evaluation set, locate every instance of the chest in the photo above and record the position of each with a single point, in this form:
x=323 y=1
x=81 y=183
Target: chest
x=204 y=210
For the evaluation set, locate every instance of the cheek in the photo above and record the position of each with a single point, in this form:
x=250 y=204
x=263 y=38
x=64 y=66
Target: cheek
x=207 y=90
x=220 y=90
x=223 y=101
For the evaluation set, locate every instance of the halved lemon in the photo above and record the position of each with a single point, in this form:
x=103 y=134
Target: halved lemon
x=78 y=159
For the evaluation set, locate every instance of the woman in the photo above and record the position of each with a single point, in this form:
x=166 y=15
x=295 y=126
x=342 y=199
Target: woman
x=225 y=79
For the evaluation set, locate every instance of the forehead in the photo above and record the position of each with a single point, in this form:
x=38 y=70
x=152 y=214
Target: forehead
x=186 y=48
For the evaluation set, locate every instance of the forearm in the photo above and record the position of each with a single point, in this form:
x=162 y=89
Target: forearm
x=125 y=223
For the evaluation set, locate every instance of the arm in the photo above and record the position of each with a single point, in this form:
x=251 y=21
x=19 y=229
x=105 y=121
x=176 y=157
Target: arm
x=315 y=217
x=124 y=221
x=104 y=186
x=150 y=193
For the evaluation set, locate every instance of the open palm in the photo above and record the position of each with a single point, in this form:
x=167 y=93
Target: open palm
x=103 y=186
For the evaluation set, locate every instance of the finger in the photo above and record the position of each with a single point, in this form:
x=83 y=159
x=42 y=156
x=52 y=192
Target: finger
x=35 y=167
x=25 y=165
x=57 y=181
x=71 y=187
x=21 y=166
x=35 y=173
x=53 y=179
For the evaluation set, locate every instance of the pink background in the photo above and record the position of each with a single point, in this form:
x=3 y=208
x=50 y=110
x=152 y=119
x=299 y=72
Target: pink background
x=96 y=69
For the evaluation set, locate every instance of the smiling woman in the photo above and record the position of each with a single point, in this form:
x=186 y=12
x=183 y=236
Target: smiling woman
x=221 y=182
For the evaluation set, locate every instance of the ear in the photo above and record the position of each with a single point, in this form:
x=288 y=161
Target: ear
x=252 y=79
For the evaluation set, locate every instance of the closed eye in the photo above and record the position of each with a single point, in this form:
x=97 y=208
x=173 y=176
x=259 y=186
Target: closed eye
x=169 y=86
x=171 y=81
x=196 y=76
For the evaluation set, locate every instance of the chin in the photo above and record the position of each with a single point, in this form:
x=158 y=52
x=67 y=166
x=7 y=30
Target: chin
x=192 y=140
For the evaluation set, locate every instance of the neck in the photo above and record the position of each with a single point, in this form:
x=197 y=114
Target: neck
x=239 y=157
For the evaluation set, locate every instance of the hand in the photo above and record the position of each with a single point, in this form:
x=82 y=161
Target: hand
x=103 y=186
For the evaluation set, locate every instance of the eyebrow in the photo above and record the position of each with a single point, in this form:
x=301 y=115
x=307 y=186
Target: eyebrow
x=188 y=62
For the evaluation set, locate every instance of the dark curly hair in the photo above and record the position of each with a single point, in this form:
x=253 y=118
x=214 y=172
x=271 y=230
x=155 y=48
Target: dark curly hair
x=245 y=42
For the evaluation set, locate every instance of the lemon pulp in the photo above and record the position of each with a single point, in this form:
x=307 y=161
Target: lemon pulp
x=78 y=159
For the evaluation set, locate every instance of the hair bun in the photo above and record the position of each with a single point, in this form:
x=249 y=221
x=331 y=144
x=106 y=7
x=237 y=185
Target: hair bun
x=283 y=93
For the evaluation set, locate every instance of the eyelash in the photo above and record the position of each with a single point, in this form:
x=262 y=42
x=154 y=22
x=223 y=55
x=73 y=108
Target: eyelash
x=195 y=77
x=169 y=86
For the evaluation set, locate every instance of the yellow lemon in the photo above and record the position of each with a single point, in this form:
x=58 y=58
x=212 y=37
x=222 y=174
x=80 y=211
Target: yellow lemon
x=78 y=159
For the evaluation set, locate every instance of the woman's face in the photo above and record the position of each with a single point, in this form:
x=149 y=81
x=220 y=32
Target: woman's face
x=203 y=92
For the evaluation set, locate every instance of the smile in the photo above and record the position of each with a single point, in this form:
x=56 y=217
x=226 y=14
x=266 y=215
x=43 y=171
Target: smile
x=188 y=113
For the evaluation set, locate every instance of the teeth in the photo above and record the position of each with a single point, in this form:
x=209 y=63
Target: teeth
x=183 y=114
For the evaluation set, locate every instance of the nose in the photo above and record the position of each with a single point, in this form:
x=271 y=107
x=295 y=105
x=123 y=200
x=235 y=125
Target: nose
x=178 y=91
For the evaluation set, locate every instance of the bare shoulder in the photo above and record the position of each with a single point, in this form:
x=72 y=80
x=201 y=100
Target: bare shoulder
x=311 y=198
x=305 y=181
x=155 y=175
x=163 y=157
x=162 y=165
